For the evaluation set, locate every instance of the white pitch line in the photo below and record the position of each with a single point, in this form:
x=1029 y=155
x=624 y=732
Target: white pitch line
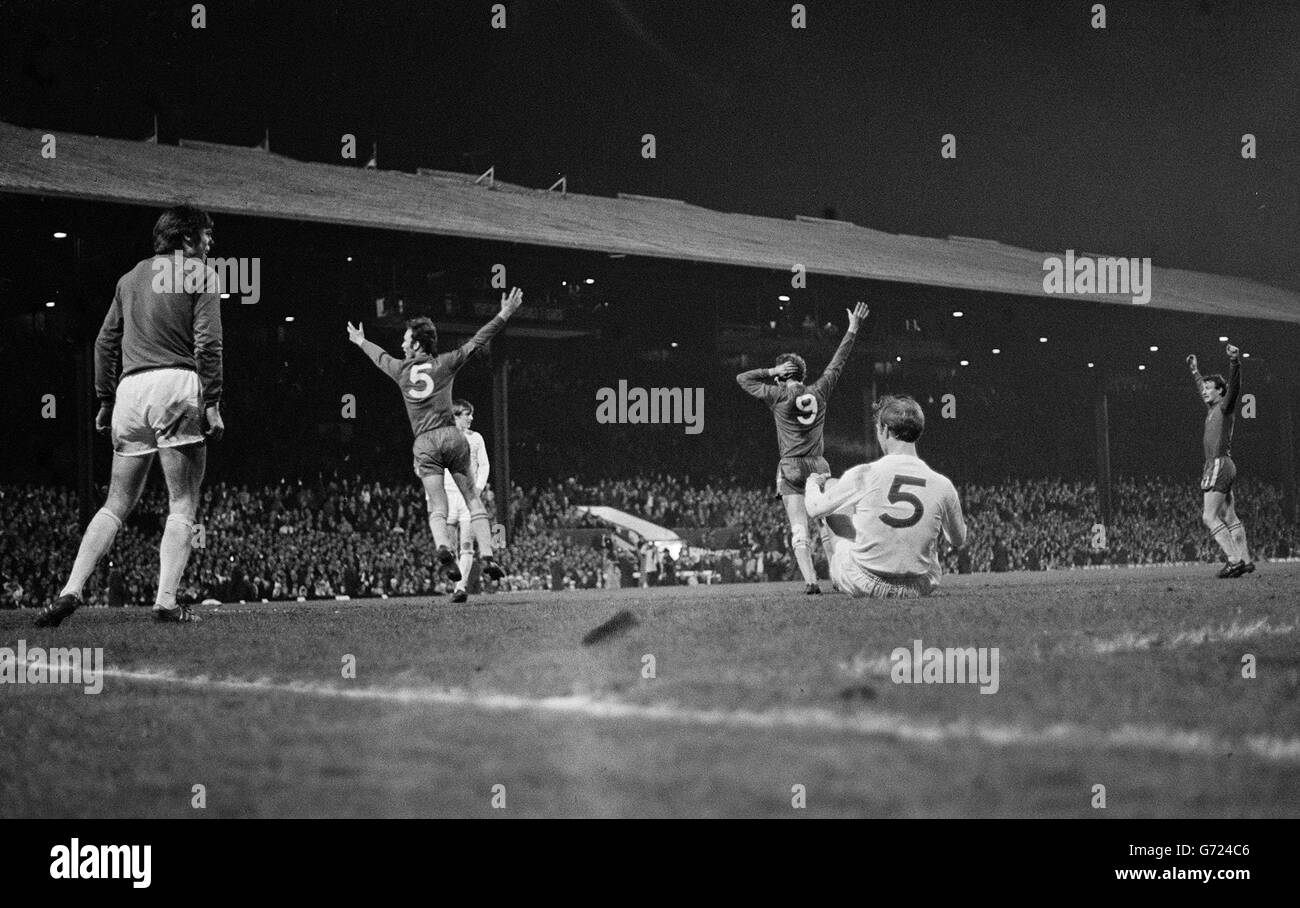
x=864 y=666
x=1131 y=642
x=869 y=723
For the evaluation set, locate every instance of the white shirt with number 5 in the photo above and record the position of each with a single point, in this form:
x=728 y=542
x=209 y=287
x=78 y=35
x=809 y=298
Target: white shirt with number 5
x=898 y=506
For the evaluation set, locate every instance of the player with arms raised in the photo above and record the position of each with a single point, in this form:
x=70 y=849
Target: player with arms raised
x=800 y=413
x=425 y=379
x=1218 y=507
x=458 y=512
x=897 y=507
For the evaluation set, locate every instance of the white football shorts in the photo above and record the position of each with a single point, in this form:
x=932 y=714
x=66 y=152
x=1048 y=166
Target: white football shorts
x=160 y=408
x=851 y=578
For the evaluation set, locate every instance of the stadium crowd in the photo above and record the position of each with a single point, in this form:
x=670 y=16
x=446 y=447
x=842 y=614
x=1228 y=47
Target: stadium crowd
x=357 y=538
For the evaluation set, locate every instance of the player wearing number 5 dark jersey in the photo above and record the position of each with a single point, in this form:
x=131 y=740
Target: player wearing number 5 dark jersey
x=425 y=378
x=800 y=413
x=897 y=507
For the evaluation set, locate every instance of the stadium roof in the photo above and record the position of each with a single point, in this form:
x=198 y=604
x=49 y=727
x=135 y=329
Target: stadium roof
x=253 y=182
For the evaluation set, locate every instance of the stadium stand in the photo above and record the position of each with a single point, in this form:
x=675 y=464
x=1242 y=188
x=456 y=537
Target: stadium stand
x=350 y=537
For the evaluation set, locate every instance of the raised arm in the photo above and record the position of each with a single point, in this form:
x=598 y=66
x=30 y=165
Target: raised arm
x=389 y=365
x=510 y=302
x=754 y=382
x=826 y=383
x=1234 y=379
x=1196 y=373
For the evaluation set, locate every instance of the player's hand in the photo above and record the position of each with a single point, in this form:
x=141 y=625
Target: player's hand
x=104 y=419
x=819 y=480
x=1191 y=361
x=1233 y=351
x=215 y=426
x=356 y=333
x=783 y=371
x=510 y=302
x=857 y=314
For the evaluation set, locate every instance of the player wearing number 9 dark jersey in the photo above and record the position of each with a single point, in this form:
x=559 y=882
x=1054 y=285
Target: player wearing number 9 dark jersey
x=425 y=378
x=800 y=414
x=897 y=507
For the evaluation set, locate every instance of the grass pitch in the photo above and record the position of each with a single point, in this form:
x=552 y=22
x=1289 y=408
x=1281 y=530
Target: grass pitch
x=1131 y=679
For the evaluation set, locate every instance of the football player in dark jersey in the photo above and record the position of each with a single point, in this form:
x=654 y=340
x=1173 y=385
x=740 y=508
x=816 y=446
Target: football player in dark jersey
x=800 y=413
x=1219 y=511
x=425 y=378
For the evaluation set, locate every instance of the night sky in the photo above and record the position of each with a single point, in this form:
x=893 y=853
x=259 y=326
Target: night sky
x=1120 y=141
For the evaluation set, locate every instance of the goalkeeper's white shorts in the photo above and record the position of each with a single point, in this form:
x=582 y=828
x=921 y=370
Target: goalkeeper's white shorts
x=158 y=408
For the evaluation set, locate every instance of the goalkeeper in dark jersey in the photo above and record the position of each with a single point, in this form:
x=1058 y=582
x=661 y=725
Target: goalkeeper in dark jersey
x=159 y=379
x=800 y=413
x=425 y=378
x=1220 y=512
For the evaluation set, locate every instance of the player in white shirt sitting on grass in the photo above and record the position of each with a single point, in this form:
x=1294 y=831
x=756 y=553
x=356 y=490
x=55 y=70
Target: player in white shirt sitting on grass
x=883 y=519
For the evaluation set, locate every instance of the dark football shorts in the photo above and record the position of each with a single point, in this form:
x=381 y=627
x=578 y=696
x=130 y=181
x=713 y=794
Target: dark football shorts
x=793 y=472
x=442 y=449
x=1218 y=475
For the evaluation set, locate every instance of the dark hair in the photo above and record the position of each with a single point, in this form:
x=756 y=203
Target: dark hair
x=1218 y=380
x=424 y=334
x=178 y=225
x=901 y=415
x=799 y=363
x=462 y=406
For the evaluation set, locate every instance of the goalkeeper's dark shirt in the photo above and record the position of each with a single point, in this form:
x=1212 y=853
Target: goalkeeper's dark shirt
x=799 y=410
x=1219 y=417
x=146 y=329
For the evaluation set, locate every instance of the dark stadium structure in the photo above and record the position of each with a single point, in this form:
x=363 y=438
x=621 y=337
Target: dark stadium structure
x=654 y=291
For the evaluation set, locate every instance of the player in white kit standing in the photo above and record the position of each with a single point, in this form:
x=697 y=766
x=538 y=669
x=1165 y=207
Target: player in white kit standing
x=458 y=514
x=897 y=507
